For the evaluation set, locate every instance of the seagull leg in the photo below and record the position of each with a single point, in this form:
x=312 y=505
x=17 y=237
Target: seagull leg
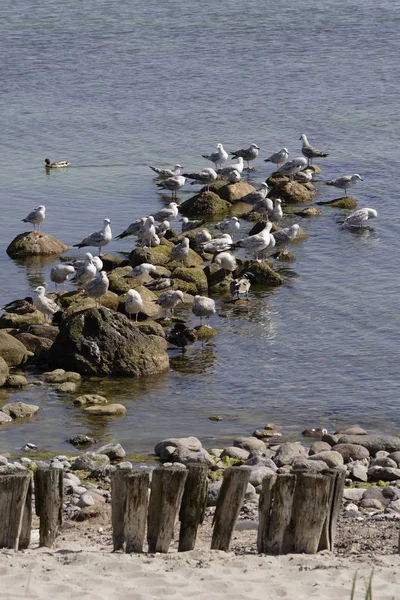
x=136 y=317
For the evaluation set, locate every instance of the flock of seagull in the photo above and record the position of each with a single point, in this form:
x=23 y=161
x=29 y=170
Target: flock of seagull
x=90 y=276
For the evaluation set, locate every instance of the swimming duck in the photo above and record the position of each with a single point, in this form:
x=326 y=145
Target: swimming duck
x=59 y=164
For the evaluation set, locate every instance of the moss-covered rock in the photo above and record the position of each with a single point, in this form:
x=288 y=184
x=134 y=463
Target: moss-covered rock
x=232 y=192
x=120 y=283
x=346 y=202
x=14 y=321
x=263 y=273
x=291 y=192
x=12 y=350
x=100 y=342
x=111 y=262
x=310 y=211
x=205 y=332
x=35 y=243
x=194 y=276
x=205 y=204
x=155 y=256
x=76 y=301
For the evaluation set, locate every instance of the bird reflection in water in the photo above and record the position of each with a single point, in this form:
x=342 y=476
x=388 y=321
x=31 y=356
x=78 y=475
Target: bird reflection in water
x=198 y=360
x=34 y=267
x=367 y=234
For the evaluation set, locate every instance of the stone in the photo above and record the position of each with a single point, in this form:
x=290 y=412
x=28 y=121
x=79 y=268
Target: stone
x=35 y=243
x=354 y=494
x=90 y=461
x=232 y=192
x=90 y=400
x=311 y=466
x=68 y=387
x=81 y=440
x=20 y=410
x=191 y=280
x=73 y=479
x=261 y=462
x=3 y=460
x=150 y=309
x=383 y=474
x=14 y=320
x=351 y=451
x=346 y=202
x=191 y=443
x=158 y=256
x=11 y=468
x=258 y=473
x=318 y=447
x=330 y=457
x=39 y=346
x=381 y=454
x=291 y=192
x=100 y=342
x=288 y=453
x=61 y=376
x=351 y=510
x=11 y=350
x=90 y=499
x=371 y=503
x=330 y=439
x=351 y=431
x=395 y=505
x=373 y=443
x=249 y=443
x=395 y=456
x=262 y=273
x=113 y=451
x=236 y=453
x=4 y=418
x=4 y=371
x=185 y=456
x=50 y=332
x=358 y=472
x=16 y=381
x=375 y=493
x=108 y=410
x=384 y=462
x=391 y=492
x=310 y=211
x=205 y=204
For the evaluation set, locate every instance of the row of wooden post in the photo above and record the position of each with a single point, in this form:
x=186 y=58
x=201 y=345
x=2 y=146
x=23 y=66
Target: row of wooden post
x=297 y=512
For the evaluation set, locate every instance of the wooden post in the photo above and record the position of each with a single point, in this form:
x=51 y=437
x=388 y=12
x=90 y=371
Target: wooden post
x=310 y=510
x=118 y=503
x=137 y=499
x=13 y=493
x=264 y=507
x=25 y=537
x=167 y=487
x=278 y=539
x=49 y=503
x=328 y=535
x=193 y=505
x=229 y=503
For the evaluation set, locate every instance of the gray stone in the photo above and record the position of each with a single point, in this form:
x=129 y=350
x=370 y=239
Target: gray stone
x=90 y=461
x=288 y=453
x=108 y=410
x=124 y=465
x=311 y=466
x=317 y=447
x=375 y=493
x=12 y=351
x=113 y=451
x=68 y=387
x=381 y=454
x=267 y=453
x=258 y=474
x=214 y=489
x=351 y=510
x=32 y=243
x=383 y=474
x=251 y=494
x=20 y=410
x=351 y=452
x=384 y=462
x=56 y=464
x=371 y=503
x=373 y=443
x=16 y=381
x=391 y=492
x=11 y=468
x=90 y=400
x=354 y=494
x=261 y=462
x=249 y=443
x=358 y=472
x=330 y=457
x=191 y=443
x=4 y=418
x=351 y=431
x=185 y=456
x=332 y=440
x=3 y=460
x=70 y=477
x=395 y=505
x=61 y=376
x=236 y=453
x=90 y=499
x=217 y=451
x=396 y=457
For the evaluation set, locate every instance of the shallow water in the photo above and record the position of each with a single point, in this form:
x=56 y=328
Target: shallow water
x=114 y=87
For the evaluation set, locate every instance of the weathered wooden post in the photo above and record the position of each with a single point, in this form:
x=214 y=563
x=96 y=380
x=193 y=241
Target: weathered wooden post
x=167 y=487
x=118 y=502
x=49 y=503
x=13 y=496
x=137 y=500
x=328 y=535
x=25 y=537
x=193 y=505
x=310 y=510
x=275 y=530
x=229 y=503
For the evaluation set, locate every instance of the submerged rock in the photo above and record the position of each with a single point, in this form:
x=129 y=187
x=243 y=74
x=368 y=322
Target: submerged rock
x=35 y=243
x=207 y=204
x=310 y=211
x=263 y=274
x=346 y=202
x=106 y=410
x=90 y=400
x=20 y=410
x=100 y=342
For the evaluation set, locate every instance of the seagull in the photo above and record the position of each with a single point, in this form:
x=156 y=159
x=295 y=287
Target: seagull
x=205 y=177
x=309 y=151
x=263 y=206
x=167 y=172
x=304 y=176
x=98 y=263
x=203 y=307
x=292 y=166
x=189 y=225
x=133 y=304
x=172 y=183
x=98 y=238
x=161 y=283
x=345 y=182
x=217 y=245
x=169 y=299
x=229 y=225
x=45 y=305
x=226 y=171
x=240 y=286
x=219 y=157
x=86 y=272
x=170 y=213
x=59 y=164
x=162 y=228
x=234 y=176
x=180 y=252
x=133 y=229
x=148 y=232
x=247 y=154
x=258 y=242
x=359 y=217
x=98 y=287
x=203 y=236
x=181 y=336
x=60 y=273
x=286 y=235
x=276 y=214
x=141 y=270
x=278 y=158
x=226 y=261
x=259 y=194
x=36 y=217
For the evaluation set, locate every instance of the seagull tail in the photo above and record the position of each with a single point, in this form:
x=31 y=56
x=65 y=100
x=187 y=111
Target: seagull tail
x=329 y=182
x=80 y=245
x=121 y=235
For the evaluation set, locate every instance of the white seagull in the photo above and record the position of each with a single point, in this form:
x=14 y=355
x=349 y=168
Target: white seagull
x=36 y=217
x=167 y=172
x=234 y=176
x=226 y=261
x=292 y=166
x=141 y=270
x=258 y=242
x=286 y=235
x=359 y=217
x=60 y=273
x=345 y=182
x=98 y=238
x=205 y=177
x=180 y=252
x=276 y=214
x=229 y=225
x=45 y=305
x=172 y=183
x=86 y=272
x=133 y=304
x=170 y=213
x=203 y=307
x=219 y=244
x=218 y=157
x=98 y=287
x=226 y=171
x=278 y=158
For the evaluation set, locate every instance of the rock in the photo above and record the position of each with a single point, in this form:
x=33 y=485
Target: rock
x=310 y=211
x=18 y=381
x=258 y=473
x=108 y=410
x=39 y=346
x=100 y=342
x=235 y=453
x=288 y=453
x=371 y=503
x=266 y=434
x=190 y=280
x=330 y=457
x=353 y=494
x=35 y=243
x=50 y=332
x=14 y=320
x=318 y=447
x=263 y=453
x=390 y=492
x=20 y=410
x=11 y=468
x=351 y=431
x=291 y=192
x=381 y=454
x=205 y=333
x=262 y=273
x=11 y=350
x=89 y=400
x=90 y=461
x=351 y=451
x=81 y=440
x=193 y=260
x=205 y=204
x=395 y=505
x=346 y=202
x=158 y=256
x=396 y=457
x=373 y=443
x=213 y=492
x=311 y=466
x=113 y=451
x=375 y=493
x=261 y=462
x=351 y=510
x=332 y=440
x=383 y=474
x=190 y=443
x=73 y=479
x=384 y=462
x=4 y=418
x=3 y=460
x=185 y=456
x=358 y=472
x=3 y=371
x=284 y=255
x=315 y=432
x=60 y=376
x=68 y=387
x=231 y=192
x=90 y=499
x=249 y=443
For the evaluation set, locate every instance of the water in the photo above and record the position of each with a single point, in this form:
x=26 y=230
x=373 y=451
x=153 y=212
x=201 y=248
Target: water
x=116 y=86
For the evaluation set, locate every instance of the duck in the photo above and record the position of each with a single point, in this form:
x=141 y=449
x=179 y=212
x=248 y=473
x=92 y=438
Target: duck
x=59 y=164
x=182 y=336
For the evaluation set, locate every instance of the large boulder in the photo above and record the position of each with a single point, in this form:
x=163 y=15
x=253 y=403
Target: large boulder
x=35 y=243
x=20 y=410
x=262 y=273
x=373 y=443
x=190 y=280
x=205 y=204
x=288 y=453
x=351 y=452
x=292 y=192
x=158 y=256
x=232 y=192
x=3 y=371
x=14 y=320
x=39 y=346
x=191 y=444
x=100 y=342
x=13 y=351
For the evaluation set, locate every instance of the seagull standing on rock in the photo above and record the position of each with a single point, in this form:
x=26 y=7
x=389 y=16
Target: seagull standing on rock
x=36 y=217
x=180 y=252
x=205 y=177
x=170 y=212
x=259 y=194
x=189 y=225
x=98 y=287
x=226 y=261
x=218 y=157
x=86 y=272
x=98 y=239
x=133 y=304
x=291 y=167
x=258 y=242
x=226 y=171
x=286 y=235
x=45 y=305
x=309 y=151
x=247 y=154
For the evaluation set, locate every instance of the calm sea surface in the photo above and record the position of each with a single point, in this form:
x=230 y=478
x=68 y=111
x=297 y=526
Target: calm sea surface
x=116 y=86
